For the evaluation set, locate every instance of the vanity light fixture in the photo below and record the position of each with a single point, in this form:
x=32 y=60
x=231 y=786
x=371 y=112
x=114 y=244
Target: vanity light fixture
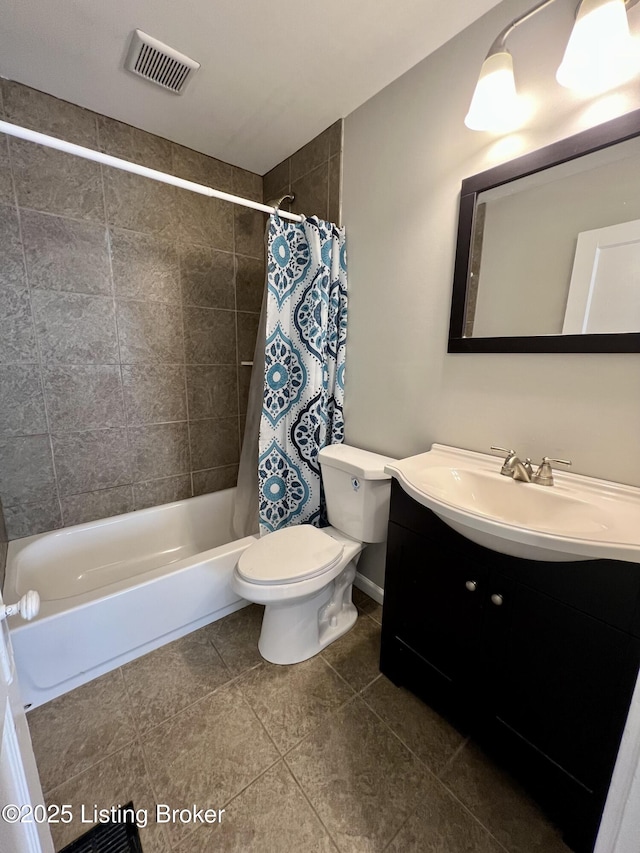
x=600 y=55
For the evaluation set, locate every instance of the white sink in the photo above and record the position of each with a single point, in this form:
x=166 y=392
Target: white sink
x=575 y=519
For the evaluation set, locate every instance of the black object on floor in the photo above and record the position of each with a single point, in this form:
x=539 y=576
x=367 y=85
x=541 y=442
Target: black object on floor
x=109 y=837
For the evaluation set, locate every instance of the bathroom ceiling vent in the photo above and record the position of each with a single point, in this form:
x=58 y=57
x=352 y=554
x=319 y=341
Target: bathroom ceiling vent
x=159 y=63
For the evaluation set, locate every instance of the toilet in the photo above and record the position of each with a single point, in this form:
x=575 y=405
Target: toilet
x=304 y=575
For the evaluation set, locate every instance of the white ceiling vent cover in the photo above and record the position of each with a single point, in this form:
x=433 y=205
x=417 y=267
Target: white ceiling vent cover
x=159 y=63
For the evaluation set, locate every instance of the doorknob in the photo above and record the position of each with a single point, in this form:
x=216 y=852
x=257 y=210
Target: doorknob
x=27 y=607
x=496 y=599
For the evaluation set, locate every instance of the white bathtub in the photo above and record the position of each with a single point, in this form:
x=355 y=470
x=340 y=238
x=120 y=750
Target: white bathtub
x=115 y=589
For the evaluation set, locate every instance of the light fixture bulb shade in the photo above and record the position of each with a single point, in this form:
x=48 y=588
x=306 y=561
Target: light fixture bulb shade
x=495 y=105
x=601 y=53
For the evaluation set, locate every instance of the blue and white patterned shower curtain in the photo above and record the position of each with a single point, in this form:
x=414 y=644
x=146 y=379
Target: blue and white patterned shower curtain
x=304 y=367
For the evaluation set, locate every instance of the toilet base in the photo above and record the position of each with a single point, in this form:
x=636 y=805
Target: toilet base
x=293 y=631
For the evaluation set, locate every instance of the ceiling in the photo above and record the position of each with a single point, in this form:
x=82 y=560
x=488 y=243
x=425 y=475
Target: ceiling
x=273 y=75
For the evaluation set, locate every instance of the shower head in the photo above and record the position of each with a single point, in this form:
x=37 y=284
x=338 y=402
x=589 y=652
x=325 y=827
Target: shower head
x=276 y=202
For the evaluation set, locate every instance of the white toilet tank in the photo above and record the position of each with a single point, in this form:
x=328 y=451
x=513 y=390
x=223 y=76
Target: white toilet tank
x=357 y=491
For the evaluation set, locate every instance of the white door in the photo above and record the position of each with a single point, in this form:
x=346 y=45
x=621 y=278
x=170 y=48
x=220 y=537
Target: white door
x=604 y=293
x=22 y=830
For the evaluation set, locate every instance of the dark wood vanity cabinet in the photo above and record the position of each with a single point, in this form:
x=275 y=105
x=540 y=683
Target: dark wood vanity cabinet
x=537 y=660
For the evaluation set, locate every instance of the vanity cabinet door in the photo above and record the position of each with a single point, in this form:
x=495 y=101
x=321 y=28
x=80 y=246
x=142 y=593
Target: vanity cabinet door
x=562 y=680
x=434 y=603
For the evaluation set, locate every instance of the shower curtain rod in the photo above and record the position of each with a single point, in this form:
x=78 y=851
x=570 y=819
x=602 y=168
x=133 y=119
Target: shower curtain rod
x=126 y=166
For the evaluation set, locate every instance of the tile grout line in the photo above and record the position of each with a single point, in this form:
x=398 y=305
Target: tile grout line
x=184 y=368
x=436 y=776
x=229 y=683
x=39 y=361
x=178 y=248
x=311 y=806
x=235 y=308
x=139 y=740
x=331 y=714
x=316 y=726
x=292 y=772
x=125 y=412
x=401 y=827
x=341 y=677
x=453 y=756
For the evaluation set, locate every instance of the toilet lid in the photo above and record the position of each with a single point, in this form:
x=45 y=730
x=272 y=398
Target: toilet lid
x=289 y=555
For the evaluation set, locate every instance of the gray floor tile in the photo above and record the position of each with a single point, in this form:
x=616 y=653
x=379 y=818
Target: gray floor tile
x=367 y=605
x=270 y=816
x=440 y=824
x=360 y=779
x=207 y=754
x=356 y=655
x=118 y=779
x=77 y=730
x=356 y=776
x=426 y=733
x=173 y=677
x=500 y=804
x=236 y=638
x=291 y=701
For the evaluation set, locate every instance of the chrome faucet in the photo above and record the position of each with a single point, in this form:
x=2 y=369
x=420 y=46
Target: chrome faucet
x=544 y=474
x=515 y=467
x=519 y=470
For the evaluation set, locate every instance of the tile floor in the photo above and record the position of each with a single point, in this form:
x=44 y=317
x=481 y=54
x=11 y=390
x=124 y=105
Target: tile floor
x=327 y=755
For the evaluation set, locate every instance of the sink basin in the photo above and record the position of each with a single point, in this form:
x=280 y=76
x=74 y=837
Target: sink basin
x=577 y=518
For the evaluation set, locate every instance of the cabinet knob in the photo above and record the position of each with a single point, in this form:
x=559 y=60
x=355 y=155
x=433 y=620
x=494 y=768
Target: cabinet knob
x=496 y=599
x=471 y=586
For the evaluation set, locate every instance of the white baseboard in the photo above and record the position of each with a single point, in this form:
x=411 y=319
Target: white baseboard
x=372 y=589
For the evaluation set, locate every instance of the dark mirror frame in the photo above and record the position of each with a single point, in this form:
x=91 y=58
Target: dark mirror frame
x=595 y=138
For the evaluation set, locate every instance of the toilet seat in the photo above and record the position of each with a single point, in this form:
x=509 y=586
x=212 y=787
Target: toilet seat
x=290 y=555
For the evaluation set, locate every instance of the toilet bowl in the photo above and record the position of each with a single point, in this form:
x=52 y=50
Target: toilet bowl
x=304 y=575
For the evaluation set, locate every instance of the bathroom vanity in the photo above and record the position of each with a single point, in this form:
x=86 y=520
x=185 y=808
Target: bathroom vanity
x=536 y=659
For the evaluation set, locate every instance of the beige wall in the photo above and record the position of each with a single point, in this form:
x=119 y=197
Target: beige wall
x=406 y=152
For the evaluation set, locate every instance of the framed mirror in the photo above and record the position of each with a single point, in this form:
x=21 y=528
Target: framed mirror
x=548 y=250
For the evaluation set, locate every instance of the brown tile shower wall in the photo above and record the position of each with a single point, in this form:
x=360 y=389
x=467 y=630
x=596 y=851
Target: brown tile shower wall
x=126 y=307
x=313 y=174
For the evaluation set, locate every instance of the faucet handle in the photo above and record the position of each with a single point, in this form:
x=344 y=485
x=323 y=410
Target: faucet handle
x=507 y=465
x=544 y=474
x=504 y=450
